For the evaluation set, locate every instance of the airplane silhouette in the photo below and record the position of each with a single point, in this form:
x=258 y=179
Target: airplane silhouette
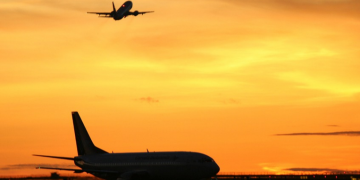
x=176 y=165
x=122 y=12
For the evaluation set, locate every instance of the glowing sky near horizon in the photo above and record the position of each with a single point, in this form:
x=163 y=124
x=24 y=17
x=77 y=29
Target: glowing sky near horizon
x=217 y=77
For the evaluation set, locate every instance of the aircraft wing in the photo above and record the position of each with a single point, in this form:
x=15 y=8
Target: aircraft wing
x=101 y=14
x=65 y=169
x=79 y=170
x=144 y=12
x=135 y=13
x=126 y=176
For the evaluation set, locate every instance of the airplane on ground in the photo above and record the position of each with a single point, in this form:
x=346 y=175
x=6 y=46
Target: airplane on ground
x=177 y=165
x=122 y=12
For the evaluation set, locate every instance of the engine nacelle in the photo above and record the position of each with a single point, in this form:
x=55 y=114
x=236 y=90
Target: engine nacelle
x=136 y=13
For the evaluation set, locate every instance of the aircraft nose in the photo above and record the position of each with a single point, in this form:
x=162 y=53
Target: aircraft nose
x=216 y=168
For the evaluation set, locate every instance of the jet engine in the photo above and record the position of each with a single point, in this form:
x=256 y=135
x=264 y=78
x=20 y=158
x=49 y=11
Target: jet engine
x=136 y=13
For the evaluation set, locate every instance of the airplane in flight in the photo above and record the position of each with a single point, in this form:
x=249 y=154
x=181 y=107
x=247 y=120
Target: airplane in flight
x=122 y=12
x=176 y=165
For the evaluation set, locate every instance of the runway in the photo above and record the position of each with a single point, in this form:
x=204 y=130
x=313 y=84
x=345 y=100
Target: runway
x=308 y=176
x=333 y=176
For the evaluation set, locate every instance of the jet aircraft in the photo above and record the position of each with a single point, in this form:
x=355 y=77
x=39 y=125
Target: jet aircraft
x=122 y=12
x=178 y=165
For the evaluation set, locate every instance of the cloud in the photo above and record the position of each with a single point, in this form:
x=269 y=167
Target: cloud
x=333 y=125
x=230 y=101
x=33 y=166
x=341 y=133
x=328 y=7
x=315 y=169
x=149 y=100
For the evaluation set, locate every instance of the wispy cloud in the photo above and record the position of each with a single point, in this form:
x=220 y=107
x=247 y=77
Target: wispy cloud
x=149 y=100
x=230 y=101
x=341 y=133
x=333 y=125
x=33 y=166
x=318 y=6
x=314 y=169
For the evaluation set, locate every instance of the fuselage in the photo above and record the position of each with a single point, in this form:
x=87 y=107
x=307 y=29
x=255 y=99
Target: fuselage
x=123 y=10
x=158 y=165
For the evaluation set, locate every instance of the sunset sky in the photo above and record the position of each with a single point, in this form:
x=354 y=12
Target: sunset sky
x=234 y=79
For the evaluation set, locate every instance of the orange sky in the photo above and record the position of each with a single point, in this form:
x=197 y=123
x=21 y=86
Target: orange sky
x=220 y=77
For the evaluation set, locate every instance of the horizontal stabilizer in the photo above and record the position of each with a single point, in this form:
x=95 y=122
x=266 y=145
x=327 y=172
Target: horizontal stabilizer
x=56 y=157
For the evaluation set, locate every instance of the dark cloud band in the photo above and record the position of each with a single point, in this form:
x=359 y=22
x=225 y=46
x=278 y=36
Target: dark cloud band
x=341 y=133
x=314 y=170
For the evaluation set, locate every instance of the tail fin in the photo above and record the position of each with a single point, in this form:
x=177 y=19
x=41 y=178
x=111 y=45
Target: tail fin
x=83 y=140
x=114 y=6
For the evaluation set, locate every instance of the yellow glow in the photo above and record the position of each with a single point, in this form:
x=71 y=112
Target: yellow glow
x=327 y=84
x=218 y=77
